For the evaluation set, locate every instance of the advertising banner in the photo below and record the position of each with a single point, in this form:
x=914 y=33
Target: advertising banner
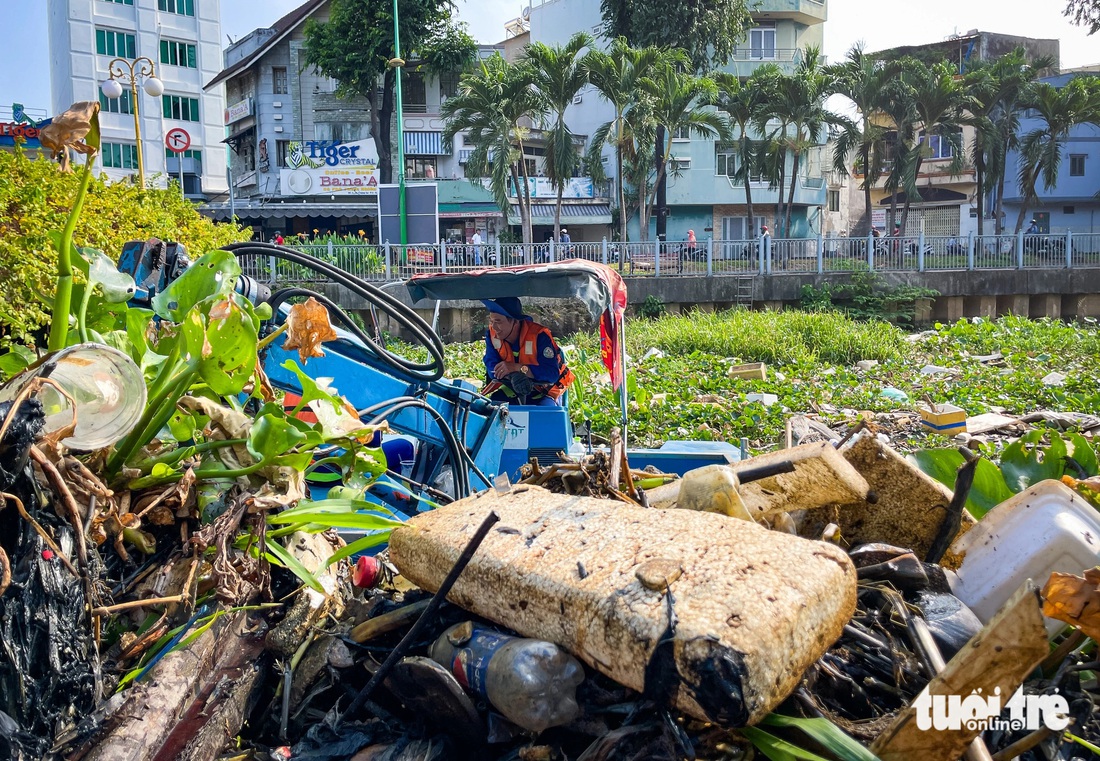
x=324 y=167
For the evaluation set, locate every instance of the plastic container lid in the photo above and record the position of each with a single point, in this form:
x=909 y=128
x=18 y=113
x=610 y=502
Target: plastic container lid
x=1044 y=529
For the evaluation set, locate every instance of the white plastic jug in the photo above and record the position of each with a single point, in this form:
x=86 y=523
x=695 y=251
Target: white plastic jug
x=1044 y=529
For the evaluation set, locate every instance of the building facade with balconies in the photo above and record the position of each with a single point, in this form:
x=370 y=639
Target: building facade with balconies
x=183 y=39
x=701 y=195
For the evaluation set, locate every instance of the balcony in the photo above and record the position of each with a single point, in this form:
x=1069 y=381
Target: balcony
x=745 y=60
x=807 y=12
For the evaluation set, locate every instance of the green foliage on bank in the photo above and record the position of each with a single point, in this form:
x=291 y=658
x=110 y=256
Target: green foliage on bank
x=35 y=198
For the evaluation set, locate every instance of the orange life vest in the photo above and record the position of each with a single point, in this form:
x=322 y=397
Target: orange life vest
x=529 y=332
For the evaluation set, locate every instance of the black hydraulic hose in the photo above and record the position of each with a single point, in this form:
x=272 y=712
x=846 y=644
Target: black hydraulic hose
x=456 y=450
x=285 y=294
x=404 y=315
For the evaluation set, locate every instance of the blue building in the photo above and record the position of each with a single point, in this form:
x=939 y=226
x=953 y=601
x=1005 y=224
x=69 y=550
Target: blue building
x=1072 y=204
x=701 y=195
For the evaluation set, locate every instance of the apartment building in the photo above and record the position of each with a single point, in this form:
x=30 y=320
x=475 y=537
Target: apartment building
x=182 y=40
x=702 y=196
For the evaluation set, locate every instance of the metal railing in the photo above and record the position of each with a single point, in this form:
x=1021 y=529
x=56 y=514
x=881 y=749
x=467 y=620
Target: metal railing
x=762 y=256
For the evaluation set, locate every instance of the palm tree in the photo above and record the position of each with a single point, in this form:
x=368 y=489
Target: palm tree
x=617 y=75
x=491 y=104
x=899 y=145
x=679 y=105
x=939 y=99
x=863 y=80
x=557 y=74
x=802 y=103
x=1015 y=87
x=742 y=103
x=1060 y=110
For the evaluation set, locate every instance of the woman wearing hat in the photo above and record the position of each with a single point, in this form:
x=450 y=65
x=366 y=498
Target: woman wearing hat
x=522 y=361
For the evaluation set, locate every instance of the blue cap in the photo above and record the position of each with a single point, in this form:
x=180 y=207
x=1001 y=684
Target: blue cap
x=507 y=306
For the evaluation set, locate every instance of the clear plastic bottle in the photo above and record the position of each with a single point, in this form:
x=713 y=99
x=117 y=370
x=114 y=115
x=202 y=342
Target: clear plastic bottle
x=531 y=682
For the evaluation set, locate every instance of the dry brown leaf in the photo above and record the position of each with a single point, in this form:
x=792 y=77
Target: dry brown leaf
x=307 y=327
x=69 y=130
x=1075 y=600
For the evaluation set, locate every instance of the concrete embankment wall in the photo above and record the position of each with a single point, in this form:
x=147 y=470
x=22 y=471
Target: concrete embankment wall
x=1065 y=294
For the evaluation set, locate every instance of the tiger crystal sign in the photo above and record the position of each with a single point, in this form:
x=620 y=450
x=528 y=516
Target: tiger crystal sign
x=324 y=167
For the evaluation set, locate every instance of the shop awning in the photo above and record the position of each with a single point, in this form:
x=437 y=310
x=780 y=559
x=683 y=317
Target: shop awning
x=234 y=140
x=253 y=210
x=577 y=214
x=467 y=210
x=464 y=155
x=424 y=144
x=928 y=194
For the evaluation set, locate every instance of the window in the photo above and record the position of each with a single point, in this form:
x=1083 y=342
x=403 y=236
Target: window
x=1077 y=165
x=179 y=7
x=121 y=2
x=181 y=107
x=736 y=229
x=762 y=43
x=420 y=167
x=834 y=200
x=120 y=105
x=178 y=54
x=940 y=147
x=726 y=162
x=278 y=80
x=282 y=148
x=681 y=133
x=414 y=93
x=190 y=153
x=1069 y=209
x=110 y=42
x=448 y=84
x=119 y=155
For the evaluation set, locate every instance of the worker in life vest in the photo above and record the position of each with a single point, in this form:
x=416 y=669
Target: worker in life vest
x=522 y=362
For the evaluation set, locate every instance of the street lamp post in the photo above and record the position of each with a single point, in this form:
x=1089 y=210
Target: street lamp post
x=397 y=62
x=123 y=71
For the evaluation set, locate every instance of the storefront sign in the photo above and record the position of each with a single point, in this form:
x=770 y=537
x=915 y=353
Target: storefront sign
x=238 y=111
x=575 y=187
x=323 y=167
x=15 y=129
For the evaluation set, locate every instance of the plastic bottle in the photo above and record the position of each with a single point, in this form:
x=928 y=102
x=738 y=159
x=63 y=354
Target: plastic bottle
x=531 y=682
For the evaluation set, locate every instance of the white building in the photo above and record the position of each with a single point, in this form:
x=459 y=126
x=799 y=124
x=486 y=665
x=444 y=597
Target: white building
x=182 y=39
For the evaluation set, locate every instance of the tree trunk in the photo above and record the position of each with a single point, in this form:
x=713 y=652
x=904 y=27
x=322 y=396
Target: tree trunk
x=557 y=213
x=998 y=209
x=909 y=197
x=524 y=198
x=619 y=179
x=660 y=159
x=979 y=177
x=782 y=186
x=790 y=197
x=381 y=123
x=868 y=183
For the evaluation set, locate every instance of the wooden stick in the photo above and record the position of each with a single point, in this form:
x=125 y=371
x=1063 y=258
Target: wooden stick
x=41 y=532
x=388 y=622
x=67 y=499
x=130 y=604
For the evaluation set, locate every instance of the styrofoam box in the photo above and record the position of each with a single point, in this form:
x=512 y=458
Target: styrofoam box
x=1043 y=529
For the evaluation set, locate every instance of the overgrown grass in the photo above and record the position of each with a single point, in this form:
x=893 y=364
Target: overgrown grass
x=777 y=337
x=684 y=391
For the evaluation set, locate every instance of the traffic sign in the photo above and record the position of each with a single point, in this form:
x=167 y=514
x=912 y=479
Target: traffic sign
x=177 y=140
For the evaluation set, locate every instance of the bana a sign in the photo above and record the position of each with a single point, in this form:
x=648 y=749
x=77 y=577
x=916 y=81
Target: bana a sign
x=321 y=167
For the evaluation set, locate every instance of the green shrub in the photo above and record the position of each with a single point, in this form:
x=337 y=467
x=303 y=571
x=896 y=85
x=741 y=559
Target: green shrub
x=35 y=198
x=867 y=297
x=651 y=308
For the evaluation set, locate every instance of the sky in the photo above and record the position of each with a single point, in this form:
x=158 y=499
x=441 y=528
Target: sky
x=878 y=23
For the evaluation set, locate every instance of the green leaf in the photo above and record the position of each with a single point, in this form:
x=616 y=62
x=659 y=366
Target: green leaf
x=1027 y=461
x=827 y=734
x=777 y=749
x=215 y=274
x=1078 y=447
x=311 y=390
x=272 y=435
x=228 y=357
x=15 y=361
x=364 y=543
x=989 y=488
x=116 y=286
